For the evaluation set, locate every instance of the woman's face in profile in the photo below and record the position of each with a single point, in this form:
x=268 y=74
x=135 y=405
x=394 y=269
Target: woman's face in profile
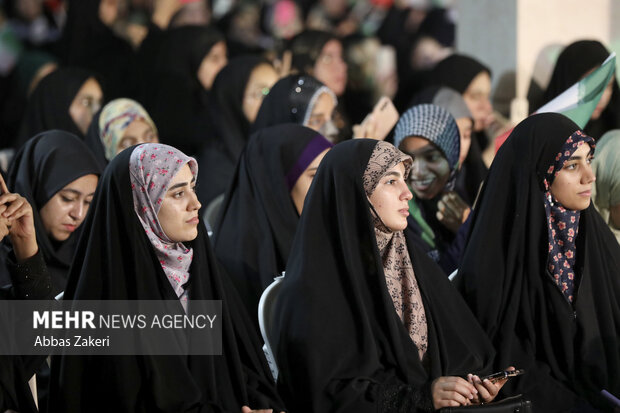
x=211 y=65
x=572 y=186
x=390 y=198
x=137 y=132
x=86 y=103
x=178 y=214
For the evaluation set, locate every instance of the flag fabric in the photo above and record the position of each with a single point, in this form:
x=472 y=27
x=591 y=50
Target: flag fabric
x=578 y=101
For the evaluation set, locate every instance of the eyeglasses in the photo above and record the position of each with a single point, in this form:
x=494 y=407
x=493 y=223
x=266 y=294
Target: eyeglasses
x=92 y=104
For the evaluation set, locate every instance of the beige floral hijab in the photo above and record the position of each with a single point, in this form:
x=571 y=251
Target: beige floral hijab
x=399 y=276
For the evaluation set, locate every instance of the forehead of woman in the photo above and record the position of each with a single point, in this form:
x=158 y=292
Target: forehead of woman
x=307 y=46
x=537 y=140
x=48 y=107
x=152 y=168
x=457 y=72
x=184 y=48
x=288 y=101
x=574 y=62
x=230 y=83
x=47 y=163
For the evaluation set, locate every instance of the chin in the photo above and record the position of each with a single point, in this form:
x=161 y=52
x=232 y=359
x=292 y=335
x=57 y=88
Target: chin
x=61 y=236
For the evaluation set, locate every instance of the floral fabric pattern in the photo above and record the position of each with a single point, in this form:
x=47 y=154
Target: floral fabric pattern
x=152 y=167
x=563 y=224
x=399 y=276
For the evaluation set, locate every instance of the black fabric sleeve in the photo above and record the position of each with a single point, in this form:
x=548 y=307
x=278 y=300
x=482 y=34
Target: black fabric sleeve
x=30 y=279
x=398 y=398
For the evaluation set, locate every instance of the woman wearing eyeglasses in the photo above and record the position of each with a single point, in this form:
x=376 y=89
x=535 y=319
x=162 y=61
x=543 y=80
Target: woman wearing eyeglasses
x=236 y=96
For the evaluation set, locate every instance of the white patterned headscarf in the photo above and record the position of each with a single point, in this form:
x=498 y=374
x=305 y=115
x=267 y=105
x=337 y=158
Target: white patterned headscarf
x=115 y=118
x=152 y=167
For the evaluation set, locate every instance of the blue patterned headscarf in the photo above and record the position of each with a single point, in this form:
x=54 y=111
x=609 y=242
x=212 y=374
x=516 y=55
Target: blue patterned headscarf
x=563 y=223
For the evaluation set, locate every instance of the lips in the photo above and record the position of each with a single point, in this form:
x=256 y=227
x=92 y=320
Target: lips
x=404 y=212
x=69 y=227
x=193 y=221
x=422 y=184
x=586 y=193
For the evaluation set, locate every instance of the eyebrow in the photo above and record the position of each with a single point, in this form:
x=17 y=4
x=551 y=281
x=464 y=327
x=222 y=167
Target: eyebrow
x=75 y=191
x=392 y=173
x=577 y=158
x=426 y=149
x=181 y=184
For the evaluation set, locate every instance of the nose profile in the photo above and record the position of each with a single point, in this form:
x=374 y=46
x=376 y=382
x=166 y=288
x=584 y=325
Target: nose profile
x=194 y=203
x=406 y=193
x=78 y=211
x=588 y=176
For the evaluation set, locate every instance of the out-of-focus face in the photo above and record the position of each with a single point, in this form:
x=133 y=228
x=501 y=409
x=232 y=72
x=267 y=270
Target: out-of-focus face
x=477 y=97
x=178 y=214
x=330 y=67
x=263 y=77
x=390 y=198
x=137 y=132
x=321 y=112
x=300 y=190
x=211 y=65
x=572 y=186
x=465 y=126
x=66 y=210
x=602 y=104
x=430 y=170
x=85 y=104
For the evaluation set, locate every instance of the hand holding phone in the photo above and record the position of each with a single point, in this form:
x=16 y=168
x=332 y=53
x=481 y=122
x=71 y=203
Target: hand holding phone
x=378 y=123
x=500 y=375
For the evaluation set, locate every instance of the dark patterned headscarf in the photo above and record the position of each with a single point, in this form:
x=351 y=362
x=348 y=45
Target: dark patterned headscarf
x=563 y=224
x=399 y=276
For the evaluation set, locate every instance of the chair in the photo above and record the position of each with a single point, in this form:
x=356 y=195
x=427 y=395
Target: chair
x=265 y=322
x=453 y=275
x=212 y=212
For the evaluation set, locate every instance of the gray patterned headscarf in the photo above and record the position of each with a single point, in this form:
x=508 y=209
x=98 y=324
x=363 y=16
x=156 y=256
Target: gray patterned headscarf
x=399 y=276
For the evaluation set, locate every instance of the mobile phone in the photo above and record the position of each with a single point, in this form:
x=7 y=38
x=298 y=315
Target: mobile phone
x=386 y=116
x=500 y=375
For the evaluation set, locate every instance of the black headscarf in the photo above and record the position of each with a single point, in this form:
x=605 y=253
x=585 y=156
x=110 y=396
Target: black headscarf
x=259 y=219
x=569 y=352
x=48 y=106
x=288 y=101
x=340 y=344
x=46 y=164
x=14 y=390
x=93 y=141
x=87 y=42
x=457 y=72
x=177 y=101
x=231 y=129
x=574 y=62
x=306 y=48
x=116 y=261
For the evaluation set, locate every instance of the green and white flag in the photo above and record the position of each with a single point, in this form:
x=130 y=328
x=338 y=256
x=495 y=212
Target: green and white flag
x=579 y=101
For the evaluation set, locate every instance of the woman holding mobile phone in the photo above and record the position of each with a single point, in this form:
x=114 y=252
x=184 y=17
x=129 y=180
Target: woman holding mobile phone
x=540 y=271
x=364 y=321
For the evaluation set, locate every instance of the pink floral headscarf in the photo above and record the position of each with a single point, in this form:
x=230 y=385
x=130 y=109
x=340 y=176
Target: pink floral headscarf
x=152 y=167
